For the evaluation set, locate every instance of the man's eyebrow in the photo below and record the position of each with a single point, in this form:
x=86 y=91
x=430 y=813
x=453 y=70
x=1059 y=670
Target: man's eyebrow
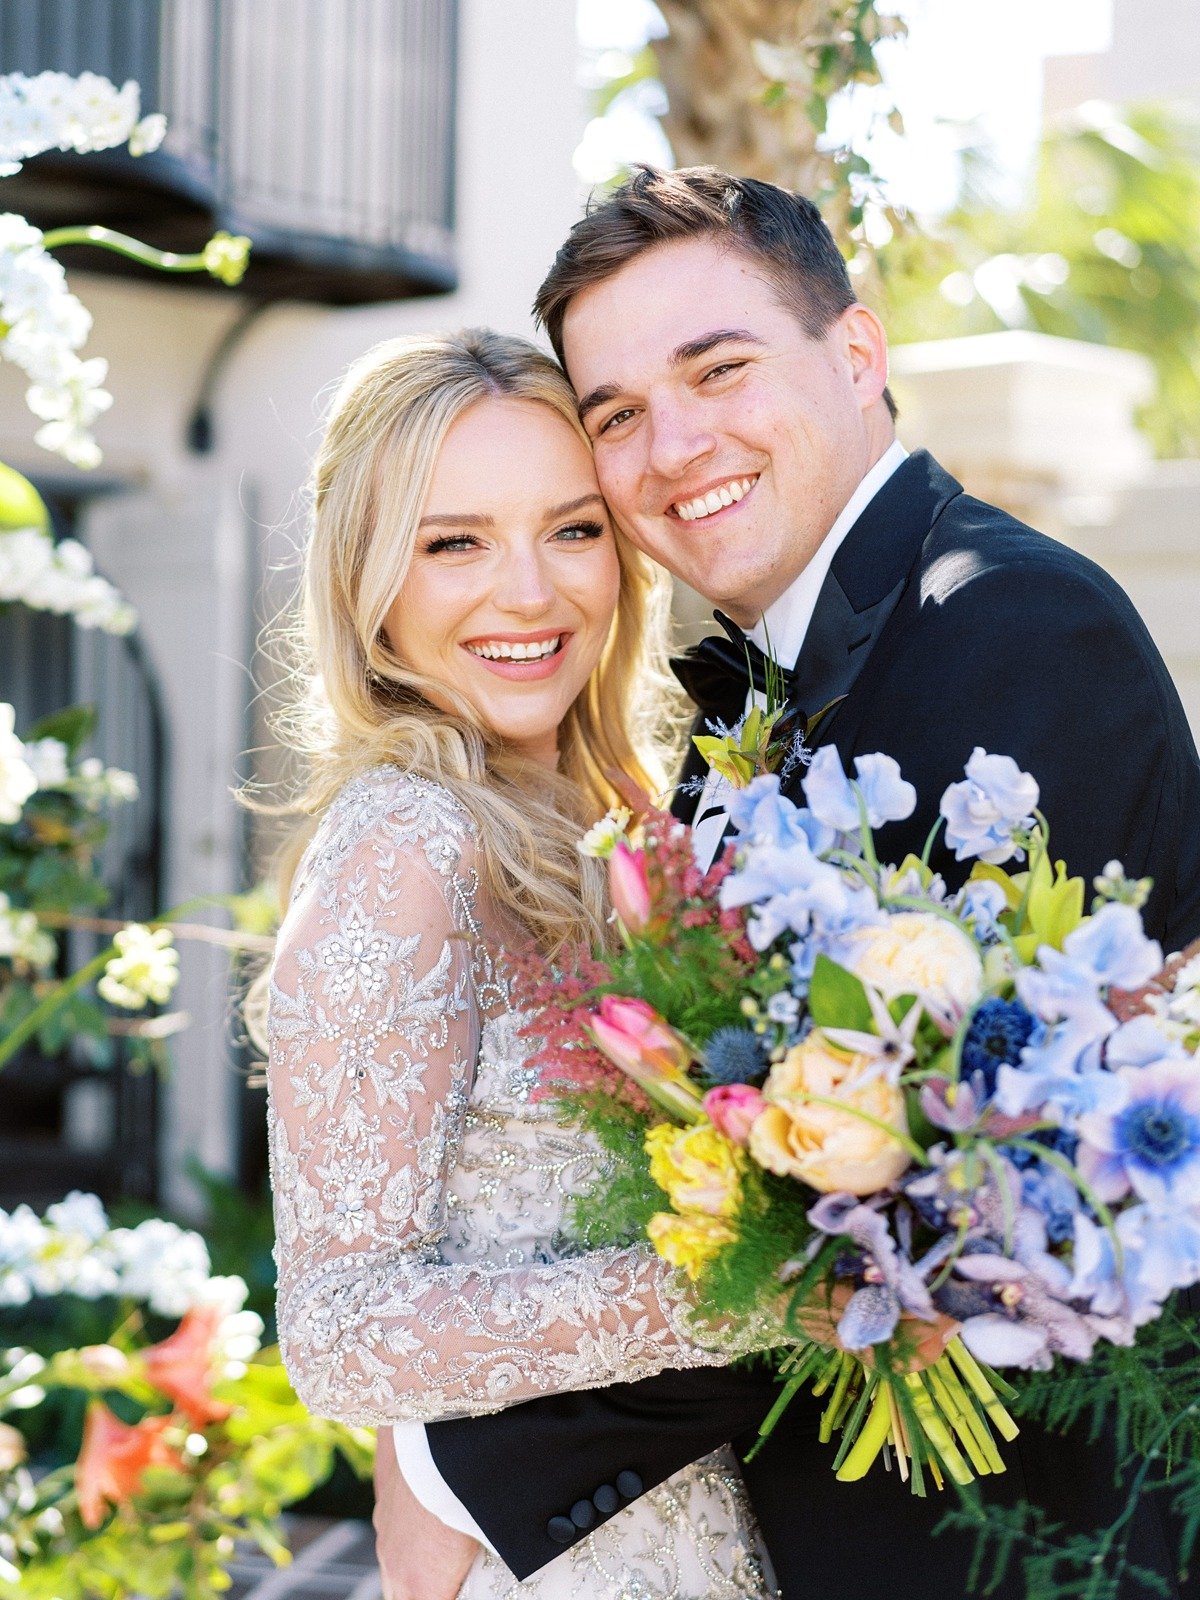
x=679 y=357
x=709 y=341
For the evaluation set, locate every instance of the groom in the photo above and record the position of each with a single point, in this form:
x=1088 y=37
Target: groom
x=736 y=396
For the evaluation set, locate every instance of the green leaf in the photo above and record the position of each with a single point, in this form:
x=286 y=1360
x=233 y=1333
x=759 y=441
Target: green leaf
x=72 y=726
x=21 y=506
x=837 y=999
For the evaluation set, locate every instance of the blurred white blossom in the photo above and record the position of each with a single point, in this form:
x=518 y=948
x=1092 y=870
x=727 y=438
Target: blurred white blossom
x=17 y=778
x=74 y=1250
x=48 y=758
x=145 y=968
x=44 y=325
x=55 y=111
x=21 y=939
x=61 y=578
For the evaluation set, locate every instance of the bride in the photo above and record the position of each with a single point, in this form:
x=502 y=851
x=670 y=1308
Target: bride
x=480 y=649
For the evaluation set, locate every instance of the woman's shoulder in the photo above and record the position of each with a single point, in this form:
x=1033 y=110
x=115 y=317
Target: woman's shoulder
x=397 y=812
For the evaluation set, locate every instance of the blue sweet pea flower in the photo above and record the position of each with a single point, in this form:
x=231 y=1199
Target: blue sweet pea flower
x=832 y=800
x=1112 y=948
x=1149 y=1143
x=983 y=811
x=791 y=890
x=1160 y=1252
x=981 y=904
x=763 y=815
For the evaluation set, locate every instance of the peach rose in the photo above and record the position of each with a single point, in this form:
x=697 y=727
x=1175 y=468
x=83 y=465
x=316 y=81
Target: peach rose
x=830 y=1149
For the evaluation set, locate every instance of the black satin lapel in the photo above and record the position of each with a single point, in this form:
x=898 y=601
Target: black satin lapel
x=837 y=645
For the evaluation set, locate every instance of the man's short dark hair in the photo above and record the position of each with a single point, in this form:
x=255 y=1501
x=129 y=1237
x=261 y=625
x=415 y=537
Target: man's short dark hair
x=783 y=233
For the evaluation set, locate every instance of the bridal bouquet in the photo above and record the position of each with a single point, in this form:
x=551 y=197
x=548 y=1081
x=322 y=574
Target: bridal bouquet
x=937 y=1134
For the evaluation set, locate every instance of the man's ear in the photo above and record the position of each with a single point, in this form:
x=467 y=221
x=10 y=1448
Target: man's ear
x=865 y=345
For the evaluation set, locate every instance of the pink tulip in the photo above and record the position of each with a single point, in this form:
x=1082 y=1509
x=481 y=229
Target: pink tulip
x=635 y=1038
x=732 y=1109
x=629 y=886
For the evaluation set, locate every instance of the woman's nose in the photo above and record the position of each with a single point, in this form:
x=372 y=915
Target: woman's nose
x=525 y=585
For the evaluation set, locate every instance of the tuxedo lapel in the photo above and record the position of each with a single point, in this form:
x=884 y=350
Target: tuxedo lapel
x=869 y=574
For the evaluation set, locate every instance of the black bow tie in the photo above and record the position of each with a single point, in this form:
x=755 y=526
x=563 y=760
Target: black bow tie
x=719 y=673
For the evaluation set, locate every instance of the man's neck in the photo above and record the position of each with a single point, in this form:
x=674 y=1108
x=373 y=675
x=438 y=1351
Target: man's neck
x=783 y=623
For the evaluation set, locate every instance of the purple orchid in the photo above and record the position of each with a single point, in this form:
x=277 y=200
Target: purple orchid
x=893 y=1284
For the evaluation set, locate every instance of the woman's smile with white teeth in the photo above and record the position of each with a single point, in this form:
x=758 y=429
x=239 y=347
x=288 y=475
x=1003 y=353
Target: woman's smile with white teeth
x=502 y=650
x=704 y=505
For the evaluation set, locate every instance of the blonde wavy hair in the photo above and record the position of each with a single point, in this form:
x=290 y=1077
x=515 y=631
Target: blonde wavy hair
x=361 y=705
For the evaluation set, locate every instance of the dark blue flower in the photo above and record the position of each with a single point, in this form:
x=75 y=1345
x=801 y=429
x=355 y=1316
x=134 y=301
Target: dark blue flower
x=999 y=1030
x=734 y=1055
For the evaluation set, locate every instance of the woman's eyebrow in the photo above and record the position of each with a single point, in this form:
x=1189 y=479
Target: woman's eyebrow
x=480 y=519
x=457 y=519
x=564 y=510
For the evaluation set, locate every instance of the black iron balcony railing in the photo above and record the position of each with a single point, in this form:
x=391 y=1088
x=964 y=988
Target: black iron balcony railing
x=323 y=129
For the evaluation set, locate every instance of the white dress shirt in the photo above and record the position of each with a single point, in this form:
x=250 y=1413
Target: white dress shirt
x=781 y=631
x=784 y=625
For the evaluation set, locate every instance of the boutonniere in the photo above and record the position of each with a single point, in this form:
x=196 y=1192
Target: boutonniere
x=773 y=737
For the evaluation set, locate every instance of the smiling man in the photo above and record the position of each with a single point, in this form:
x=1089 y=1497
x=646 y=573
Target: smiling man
x=736 y=395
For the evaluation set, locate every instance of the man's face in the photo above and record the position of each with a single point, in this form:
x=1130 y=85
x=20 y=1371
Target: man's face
x=727 y=440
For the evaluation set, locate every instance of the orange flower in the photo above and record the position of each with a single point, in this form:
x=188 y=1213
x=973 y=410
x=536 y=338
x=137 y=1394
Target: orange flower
x=181 y=1366
x=113 y=1458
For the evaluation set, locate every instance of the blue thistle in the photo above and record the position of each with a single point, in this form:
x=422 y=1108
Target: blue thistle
x=998 y=1032
x=734 y=1055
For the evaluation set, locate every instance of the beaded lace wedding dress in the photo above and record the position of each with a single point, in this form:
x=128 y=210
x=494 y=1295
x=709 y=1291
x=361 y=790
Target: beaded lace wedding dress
x=420 y=1195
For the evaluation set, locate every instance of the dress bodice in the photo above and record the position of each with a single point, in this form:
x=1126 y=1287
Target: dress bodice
x=421 y=1191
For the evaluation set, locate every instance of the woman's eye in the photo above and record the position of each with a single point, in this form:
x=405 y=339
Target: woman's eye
x=450 y=542
x=579 y=532
x=616 y=418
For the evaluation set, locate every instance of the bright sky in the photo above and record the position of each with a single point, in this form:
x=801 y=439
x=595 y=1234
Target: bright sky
x=968 y=69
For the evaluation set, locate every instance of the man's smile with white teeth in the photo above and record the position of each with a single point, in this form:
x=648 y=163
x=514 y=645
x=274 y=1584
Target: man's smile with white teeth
x=502 y=650
x=726 y=494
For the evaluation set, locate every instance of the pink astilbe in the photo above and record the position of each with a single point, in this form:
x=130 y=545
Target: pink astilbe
x=557 y=1001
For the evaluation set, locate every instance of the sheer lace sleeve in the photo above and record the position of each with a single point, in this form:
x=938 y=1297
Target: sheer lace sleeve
x=374 y=1030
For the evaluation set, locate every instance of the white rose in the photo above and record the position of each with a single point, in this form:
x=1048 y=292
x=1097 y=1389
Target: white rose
x=921 y=953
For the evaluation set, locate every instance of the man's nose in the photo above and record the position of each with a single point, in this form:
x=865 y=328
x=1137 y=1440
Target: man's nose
x=679 y=440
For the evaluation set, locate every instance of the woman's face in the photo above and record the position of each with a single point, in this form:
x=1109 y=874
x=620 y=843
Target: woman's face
x=514 y=573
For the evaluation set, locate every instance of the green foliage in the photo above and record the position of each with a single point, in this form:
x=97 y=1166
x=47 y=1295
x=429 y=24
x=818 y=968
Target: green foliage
x=176 y=1534
x=1107 y=249
x=1147 y=1398
x=615 y=1209
x=837 y=999
x=772 y=1226
x=694 y=982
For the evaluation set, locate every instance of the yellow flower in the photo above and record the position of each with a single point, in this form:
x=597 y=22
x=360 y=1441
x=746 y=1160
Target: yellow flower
x=821 y=1145
x=688 y=1242
x=918 y=952
x=699 y=1168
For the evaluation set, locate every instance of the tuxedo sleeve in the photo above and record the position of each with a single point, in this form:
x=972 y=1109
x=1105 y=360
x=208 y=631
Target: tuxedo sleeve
x=537 y=1476
x=1047 y=661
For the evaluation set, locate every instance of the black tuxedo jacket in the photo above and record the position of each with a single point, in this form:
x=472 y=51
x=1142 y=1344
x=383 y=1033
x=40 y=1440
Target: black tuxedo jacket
x=943 y=624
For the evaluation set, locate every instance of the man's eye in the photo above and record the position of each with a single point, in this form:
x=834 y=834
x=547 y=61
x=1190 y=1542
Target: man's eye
x=617 y=417
x=722 y=369
x=450 y=542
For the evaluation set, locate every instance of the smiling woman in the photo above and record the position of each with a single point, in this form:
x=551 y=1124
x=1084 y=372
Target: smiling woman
x=458 y=532
x=515 y=574
x=479 y=641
